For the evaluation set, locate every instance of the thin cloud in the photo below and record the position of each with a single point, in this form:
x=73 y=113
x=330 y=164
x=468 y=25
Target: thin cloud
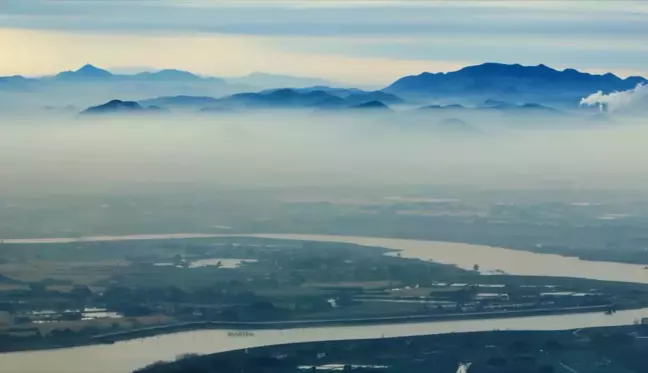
x=321 y=18
x=220 y=55
x=579 y=34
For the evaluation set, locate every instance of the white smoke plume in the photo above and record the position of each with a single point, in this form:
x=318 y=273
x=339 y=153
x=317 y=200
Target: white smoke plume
x=636 y=98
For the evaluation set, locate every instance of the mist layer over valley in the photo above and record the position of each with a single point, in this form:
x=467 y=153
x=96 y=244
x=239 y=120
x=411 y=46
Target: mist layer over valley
x=471 y=166
x=180 y=178
x=283 y=148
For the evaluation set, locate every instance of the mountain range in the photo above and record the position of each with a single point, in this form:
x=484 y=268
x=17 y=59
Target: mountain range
x=89 y=85
x=267 y=81
x=309 y=99
x=119 y=106
x=91 y=74
x=284 y=98
x=515 y=83
x=510 y=87
x=492 y=105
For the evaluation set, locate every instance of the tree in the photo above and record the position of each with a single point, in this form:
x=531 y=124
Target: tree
x=64 y=333
x=37 y=287
x=519 y=346
x=81 y=292
x=553 y=346
x=496 y=361
x=90 y=330
x=230 y=314
x=135 y=310
x=546 y=369
x=174 y=294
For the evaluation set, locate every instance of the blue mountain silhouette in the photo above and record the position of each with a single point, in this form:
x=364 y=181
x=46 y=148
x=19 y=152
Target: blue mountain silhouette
x=496 y=80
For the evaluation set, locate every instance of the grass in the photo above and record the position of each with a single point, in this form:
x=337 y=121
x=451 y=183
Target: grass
x=583 y=360
x=101 y=324
x=289 y=292
x=74 y=273
x=5 y=319
x=367 y=285
x=10 y=287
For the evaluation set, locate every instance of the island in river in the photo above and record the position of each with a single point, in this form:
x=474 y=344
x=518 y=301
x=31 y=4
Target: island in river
x=76 y=292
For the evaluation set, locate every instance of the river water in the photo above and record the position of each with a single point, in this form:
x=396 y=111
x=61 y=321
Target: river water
x=464 y=255
x=491 y=259
x=123 y=357
x=126 y=356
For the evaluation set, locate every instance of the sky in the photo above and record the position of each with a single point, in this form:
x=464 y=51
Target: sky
x=362 y=42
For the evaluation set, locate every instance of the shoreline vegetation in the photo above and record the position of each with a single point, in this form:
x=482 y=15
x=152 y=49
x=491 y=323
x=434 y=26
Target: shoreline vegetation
x=590 y=256
x=604 y=349
x=152 y=284
x=243 y=327
x=294 y=324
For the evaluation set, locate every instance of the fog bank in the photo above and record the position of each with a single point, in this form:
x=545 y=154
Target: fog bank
x=88 y=155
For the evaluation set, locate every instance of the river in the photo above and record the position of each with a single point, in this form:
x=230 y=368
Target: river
x=123 y=357
x=489 y=259
x=126 y=356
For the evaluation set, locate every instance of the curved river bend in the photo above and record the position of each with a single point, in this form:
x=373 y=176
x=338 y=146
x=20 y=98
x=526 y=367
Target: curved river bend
x=123 y=357
x=514 y=262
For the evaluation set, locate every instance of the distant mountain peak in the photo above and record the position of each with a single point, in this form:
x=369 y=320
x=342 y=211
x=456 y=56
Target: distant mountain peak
x=443 y=107
x=302 y=98
x=170 y=74
x=89 y=69
x=86 y=71
x=371 y=105
x=540 y=83
x=114 y=106
x=507 y=69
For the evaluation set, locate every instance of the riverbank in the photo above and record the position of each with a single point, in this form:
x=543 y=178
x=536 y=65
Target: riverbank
x=280 y=325
x=490 y=259
x=129 y=355
x=620 y=347
x=115 y=353
x=109 y=338
x=592 y=256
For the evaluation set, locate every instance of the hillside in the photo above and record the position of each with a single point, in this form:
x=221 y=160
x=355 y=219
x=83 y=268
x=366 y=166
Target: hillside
x=118 y=106
x=515 y=83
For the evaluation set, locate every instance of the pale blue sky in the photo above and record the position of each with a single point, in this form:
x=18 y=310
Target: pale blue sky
x=369 y=41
